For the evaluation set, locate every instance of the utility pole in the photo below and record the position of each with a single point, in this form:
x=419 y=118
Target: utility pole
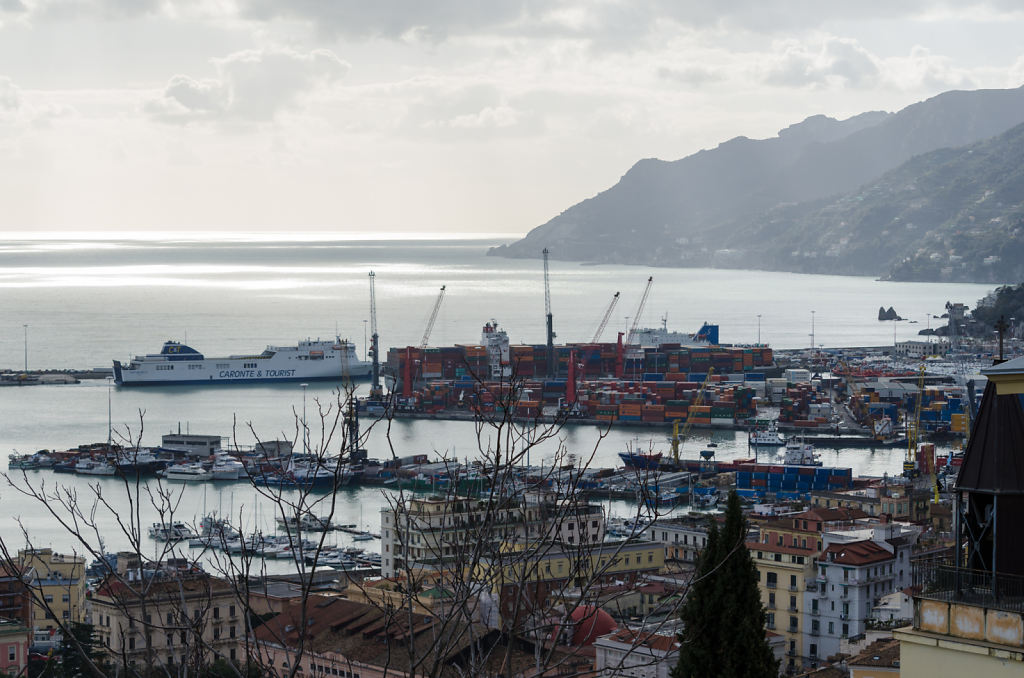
x=1001 y=328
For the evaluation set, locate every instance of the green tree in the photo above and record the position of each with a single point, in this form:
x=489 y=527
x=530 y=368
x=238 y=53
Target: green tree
x=79 y=643
x=723 y=618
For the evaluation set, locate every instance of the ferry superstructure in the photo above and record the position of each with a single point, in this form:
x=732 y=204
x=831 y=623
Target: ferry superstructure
x=311 y=359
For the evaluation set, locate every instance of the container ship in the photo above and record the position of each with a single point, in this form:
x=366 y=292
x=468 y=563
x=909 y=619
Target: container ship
x=178 y=364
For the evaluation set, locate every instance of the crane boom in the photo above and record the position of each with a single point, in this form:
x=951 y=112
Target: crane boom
x=433 y=317
x=639 y=312
x=604 y=321
x=375 y=389
x=549 y=319
x=679 y=435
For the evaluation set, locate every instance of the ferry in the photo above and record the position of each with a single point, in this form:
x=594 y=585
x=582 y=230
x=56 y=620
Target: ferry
x=180 y=364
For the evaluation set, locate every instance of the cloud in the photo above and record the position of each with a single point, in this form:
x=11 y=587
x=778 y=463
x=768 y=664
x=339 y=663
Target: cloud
x=690 y=75
x=10 y=96
x=254 y=85
x=839 y=62
x=922 y=69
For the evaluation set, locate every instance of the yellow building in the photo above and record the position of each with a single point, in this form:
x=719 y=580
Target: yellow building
x=57 y=585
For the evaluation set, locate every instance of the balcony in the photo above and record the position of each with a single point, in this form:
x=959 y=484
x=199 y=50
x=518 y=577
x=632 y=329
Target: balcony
x=771 y=584
x=793 y=608
x=815 y=611
x=814 y=631
x=947 y=583
x=793 y=629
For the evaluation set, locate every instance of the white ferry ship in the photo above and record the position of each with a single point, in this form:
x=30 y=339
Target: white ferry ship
x=180 y=364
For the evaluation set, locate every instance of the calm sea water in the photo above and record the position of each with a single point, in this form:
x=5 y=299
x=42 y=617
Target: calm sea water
x=87 y=302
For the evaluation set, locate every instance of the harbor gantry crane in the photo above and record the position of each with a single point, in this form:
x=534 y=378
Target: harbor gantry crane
x=639 y=312
x=604 y=320
x=375 y=390
x=433 y=317
x=550 y=321
x=679 y=435
x=913 y=429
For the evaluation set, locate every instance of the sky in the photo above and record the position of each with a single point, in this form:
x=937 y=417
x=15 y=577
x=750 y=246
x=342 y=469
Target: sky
x=432 y=116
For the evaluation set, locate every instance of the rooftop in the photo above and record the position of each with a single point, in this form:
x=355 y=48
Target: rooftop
x=856 y=553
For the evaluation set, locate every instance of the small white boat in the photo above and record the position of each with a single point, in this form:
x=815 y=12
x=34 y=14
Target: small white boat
x=171 y=532
x=92 y=467
x=363 y=536
x=190 y=473
x=226 y=467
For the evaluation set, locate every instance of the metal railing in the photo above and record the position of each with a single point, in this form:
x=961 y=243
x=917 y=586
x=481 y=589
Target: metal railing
x=945 y=582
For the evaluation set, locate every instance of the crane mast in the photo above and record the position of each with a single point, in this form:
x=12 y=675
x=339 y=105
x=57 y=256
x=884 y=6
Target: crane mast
x=375 y=389
x=639 y=312
x=549 y=318
x=433 y=317
x=604 y=321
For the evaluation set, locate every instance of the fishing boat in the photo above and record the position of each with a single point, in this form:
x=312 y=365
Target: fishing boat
x=94 y=467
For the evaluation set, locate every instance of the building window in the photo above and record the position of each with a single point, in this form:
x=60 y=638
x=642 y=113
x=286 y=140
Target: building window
x=131 y=642
x=12 y=653
x=231 y=632
x=216 y=612
x=231 y=611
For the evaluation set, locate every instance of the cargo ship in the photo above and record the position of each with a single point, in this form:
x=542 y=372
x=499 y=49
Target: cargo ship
x=178 y=364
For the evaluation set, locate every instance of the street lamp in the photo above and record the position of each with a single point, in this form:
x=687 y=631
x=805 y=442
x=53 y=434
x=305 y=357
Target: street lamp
x=305 y=429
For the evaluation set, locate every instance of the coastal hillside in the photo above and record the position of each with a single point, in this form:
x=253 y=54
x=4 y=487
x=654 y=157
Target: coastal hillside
x=706 y=207
x=952 y=214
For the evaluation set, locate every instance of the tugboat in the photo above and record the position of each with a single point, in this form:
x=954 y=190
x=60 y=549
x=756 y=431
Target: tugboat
x=767 y=436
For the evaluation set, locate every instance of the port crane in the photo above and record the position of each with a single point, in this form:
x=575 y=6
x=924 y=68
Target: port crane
x=433 y=317
x=375 y=390
x=913 y=429
x=679 y=435
x=639 y=312
x=604 y=321
x=550 y=321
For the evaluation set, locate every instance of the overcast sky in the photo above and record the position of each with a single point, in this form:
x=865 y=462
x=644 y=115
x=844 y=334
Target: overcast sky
x=420 y=115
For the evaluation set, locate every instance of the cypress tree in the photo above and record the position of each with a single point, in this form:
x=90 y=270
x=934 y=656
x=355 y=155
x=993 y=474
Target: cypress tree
x=723 y=618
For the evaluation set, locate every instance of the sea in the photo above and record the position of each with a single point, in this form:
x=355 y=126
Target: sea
x=73 y=301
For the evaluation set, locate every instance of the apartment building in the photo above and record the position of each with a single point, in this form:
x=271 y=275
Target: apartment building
x=57 y=585
x=441 y=533
x=683 y=538
x=784 y=555
x=168 y=618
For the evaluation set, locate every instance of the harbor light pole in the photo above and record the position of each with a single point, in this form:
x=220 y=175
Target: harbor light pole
x=812 y=331
x=305 y=429
x=758 y=329
x=25 y=327
x=366 y=355
x=110 y=434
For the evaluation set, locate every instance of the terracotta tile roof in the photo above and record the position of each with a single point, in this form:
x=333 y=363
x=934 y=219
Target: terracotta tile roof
x=655 y=641
x=855 y=553
x=879 y=653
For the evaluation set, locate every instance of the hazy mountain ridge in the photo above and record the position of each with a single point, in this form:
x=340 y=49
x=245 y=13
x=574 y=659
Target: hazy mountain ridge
x=726 y=206
x=952 y=214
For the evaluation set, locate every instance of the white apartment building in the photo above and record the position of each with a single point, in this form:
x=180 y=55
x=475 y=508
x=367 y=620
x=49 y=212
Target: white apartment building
x=683 y=538
x=635 y=654
x=438 y=532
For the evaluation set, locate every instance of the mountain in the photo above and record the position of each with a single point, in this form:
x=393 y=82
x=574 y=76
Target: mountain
x=699 y=210
x=953 y=214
